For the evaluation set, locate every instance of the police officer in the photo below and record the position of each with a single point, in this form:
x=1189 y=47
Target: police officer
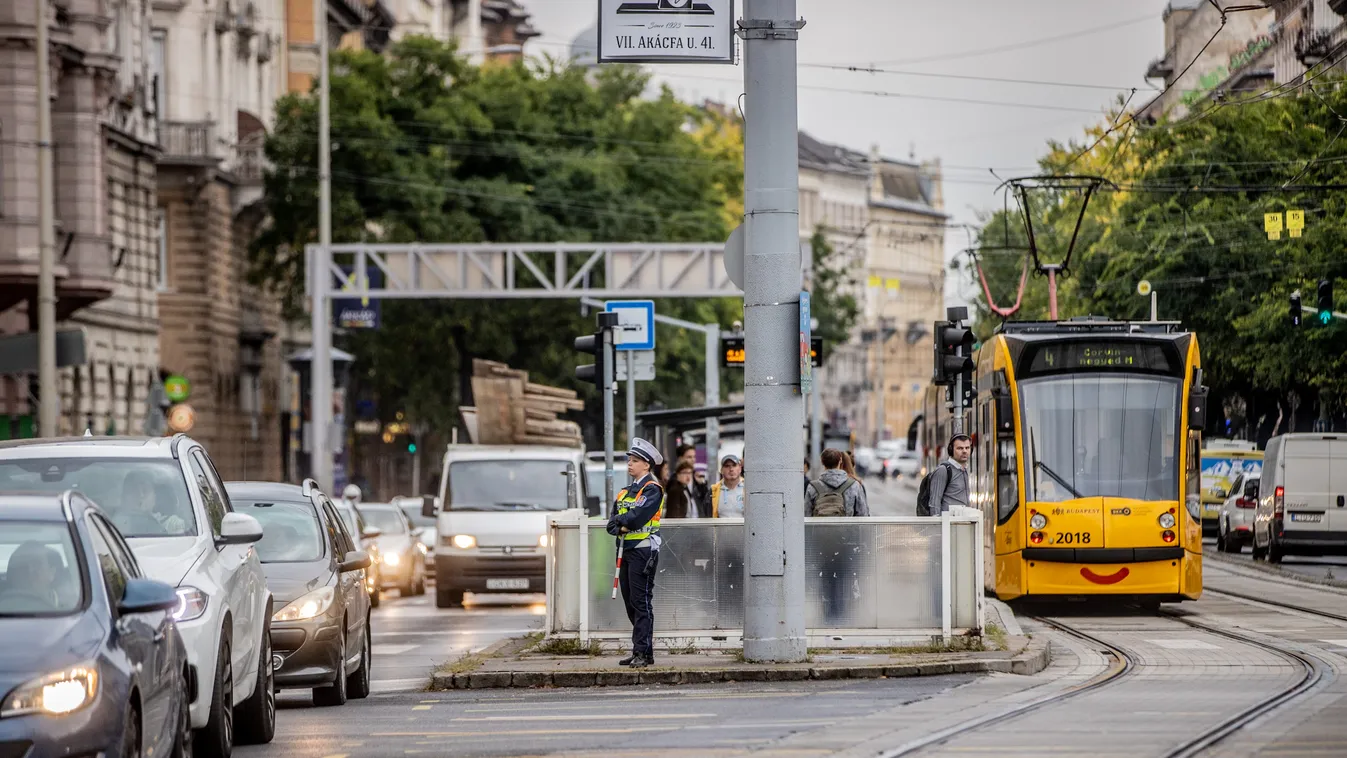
x=635 y=523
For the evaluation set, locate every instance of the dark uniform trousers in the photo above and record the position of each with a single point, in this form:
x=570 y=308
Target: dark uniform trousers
x=637 y=580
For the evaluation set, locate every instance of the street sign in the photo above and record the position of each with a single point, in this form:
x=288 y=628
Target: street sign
x=1272 y=224
x=732 y=353
x=635 y=324
x=358 y=312
x=1295 y=222
x=177 y=389
x=666 y=31
x=18 y=352
x=181 y=418
x=642 y=363
x=1143 y=288
x=806 y=345
x=371 y=426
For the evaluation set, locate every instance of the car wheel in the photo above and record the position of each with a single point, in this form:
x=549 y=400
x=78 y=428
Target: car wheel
x=1258 y=553
x=335 y=693
x=1274 y=552
x=256 y=716
x=448 y=598
x=421 y=581
x=131 y=733
x=182 y=739
x=357 y=684
x=216 y=739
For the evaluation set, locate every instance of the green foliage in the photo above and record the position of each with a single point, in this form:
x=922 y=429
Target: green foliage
x=427 y=147
x=834 y=307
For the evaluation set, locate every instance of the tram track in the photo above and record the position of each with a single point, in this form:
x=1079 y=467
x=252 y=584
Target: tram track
x=1276 y=604
x=1123 y=666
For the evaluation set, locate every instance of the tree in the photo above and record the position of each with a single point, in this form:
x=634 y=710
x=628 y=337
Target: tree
x=830 y=297
x=428 y=147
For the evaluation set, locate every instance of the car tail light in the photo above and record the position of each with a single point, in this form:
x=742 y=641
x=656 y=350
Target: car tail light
x=1279 y=502
x=1245 y=502
x=1036 y=537
x=1167 y=536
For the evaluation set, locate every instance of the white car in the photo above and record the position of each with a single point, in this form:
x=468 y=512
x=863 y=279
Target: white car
x=1234 y=525
x=166 y=498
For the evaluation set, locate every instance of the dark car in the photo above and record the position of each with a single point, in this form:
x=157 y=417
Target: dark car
x=320 y=637
x=367 y=537
x=91 y=662
x=403 y=557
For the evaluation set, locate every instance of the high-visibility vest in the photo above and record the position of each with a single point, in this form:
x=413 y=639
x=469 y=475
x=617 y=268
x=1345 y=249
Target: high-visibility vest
x=626 y=499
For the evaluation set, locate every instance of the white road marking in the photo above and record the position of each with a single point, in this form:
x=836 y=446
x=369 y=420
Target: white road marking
x=1339 y=643
x=391 y=649
x=398 y=685
x=1184 y=644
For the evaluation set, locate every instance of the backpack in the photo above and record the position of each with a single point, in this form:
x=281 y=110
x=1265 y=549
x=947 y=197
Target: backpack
x=829 y=501
x=924 y=494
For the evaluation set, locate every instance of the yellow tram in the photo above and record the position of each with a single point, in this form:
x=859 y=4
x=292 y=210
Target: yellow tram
x=1086 y=458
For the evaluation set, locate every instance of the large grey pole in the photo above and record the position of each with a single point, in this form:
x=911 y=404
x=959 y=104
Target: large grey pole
x=320 y=427
x=712 y=400
x=48 y=396
x=774 y=616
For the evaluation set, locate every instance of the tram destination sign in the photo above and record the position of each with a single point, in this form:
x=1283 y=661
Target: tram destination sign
x=1093 y=355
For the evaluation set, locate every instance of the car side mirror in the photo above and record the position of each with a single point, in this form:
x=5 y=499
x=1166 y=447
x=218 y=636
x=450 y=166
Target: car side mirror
x=147 y=596
x=593 y=506
x=428 y=506
x=354 y=561
x=371 y=532
x=239 y=529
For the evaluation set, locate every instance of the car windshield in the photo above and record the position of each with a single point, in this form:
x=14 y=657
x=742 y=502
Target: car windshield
x=507 y=485
x=39 y=573
x=384 y=519
x=145 y=498
x=413 y=514
x=290 y=531
x=1112 y=435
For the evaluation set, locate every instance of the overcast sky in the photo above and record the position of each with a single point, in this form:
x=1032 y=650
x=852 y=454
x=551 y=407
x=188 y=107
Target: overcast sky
x=1090 y=42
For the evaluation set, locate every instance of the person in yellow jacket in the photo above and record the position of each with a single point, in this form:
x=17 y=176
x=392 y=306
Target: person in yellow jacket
x=727 y=495
x=635 y=523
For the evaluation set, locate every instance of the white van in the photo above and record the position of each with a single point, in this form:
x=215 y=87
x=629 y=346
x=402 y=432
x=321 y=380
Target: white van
x=491 y=528
x=1302 y=499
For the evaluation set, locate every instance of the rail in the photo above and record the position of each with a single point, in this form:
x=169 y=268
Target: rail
x=874 y=581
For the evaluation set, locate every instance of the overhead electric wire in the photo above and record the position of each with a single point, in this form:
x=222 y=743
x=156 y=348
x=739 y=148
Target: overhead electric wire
x=975 y=53
x=968 y=77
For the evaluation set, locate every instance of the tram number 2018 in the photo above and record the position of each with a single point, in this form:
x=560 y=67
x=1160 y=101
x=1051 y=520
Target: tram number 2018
x=1072 y=538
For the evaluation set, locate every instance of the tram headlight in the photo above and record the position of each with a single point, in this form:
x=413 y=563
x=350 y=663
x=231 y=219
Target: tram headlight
x=1038 y=521
x=1167 y=521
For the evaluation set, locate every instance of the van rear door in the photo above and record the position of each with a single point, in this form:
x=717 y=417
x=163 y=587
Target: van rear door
x=1309 y=492
x=1336 y=517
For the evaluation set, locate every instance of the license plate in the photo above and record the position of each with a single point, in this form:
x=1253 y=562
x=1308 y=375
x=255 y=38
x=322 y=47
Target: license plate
x=507 y=584
x=1311 y=517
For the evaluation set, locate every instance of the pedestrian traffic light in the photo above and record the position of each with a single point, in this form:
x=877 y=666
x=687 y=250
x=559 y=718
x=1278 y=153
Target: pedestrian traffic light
x=594 y=345
x=1295 y=308
x=953 y=351
x=1325 y=301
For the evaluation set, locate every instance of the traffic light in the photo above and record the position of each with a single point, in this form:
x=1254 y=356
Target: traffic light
x=1325 y=301
x=593 y=344
x=953 y=352
x=1295 y=308
x=411 y=444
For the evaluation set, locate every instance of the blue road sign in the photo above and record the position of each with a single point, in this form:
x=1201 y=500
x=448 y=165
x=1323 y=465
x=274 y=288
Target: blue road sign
x=636 y=323
x=358 y=312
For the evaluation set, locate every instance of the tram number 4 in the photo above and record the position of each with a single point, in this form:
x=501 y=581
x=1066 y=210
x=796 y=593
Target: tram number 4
x=1072 y=538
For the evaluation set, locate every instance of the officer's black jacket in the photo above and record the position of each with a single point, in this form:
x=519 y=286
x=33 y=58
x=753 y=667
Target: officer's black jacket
x=646 y=506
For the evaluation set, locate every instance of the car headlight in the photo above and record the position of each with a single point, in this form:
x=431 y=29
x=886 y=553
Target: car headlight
x=463 y=541
x=191 y=604
x=542 y=541
x=392 y=559
x=307 y=606
x=1038 y=521
x=1167 y=520
x=55 y=694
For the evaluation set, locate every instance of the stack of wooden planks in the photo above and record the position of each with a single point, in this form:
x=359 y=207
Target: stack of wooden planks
x=511 y=410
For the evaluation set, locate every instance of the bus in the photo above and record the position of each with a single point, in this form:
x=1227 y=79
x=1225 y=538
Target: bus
x=1086 y=459
x=1224 y=461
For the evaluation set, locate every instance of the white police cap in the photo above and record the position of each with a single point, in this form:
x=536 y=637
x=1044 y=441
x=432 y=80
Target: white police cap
x=645 y=451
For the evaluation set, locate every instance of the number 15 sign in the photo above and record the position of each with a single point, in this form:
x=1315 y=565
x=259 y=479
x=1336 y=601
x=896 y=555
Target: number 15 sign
x=666 y=31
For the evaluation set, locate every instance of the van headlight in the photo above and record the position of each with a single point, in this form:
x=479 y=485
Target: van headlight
x=306 y=606
x=462 y=541
x=392 y=559
x=54 y=694
x=543 y=540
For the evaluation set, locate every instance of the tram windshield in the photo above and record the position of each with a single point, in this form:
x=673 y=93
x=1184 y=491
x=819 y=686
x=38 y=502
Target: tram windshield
x=1100 y=434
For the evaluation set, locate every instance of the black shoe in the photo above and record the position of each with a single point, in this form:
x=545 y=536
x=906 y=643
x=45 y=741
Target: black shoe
x=626 y=661
x=640 y=663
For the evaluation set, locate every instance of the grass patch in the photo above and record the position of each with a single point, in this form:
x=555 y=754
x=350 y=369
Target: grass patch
x=997 y=635
x=682 y=646
x=569 y=646
x=956 y=645
x=466 y=664
x=738 y=656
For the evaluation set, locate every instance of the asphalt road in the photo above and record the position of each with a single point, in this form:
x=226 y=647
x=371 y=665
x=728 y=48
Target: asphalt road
x=889 y=497
x=1328 y=567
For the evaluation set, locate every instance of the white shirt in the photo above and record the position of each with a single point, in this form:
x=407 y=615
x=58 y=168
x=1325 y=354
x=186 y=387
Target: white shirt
x=732 y=501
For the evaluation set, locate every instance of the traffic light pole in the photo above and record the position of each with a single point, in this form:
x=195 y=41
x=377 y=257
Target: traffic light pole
x=607 y=392
x=958 y=409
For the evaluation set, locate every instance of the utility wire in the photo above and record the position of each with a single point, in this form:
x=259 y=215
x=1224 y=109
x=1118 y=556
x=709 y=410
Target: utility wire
x=874 y=70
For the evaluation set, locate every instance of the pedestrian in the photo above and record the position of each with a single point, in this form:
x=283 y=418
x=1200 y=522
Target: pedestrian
x=849 y=465
x=948 y=484
x=835 y=492
x=635 y=524
x=727 y=495
x=701 y=491
x=806 y=476
x=681 y=503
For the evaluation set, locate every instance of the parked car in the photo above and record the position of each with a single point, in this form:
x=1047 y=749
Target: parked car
x=411 y=508
x=1302 y=509
x=320 y=637
x=366 y=537
x=907 y=464
x=1234 y=525
x=168 y=501
x=404 y=561
x=91 y=662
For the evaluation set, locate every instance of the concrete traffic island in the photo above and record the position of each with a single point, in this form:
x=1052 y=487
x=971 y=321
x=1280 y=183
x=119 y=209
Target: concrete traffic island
x=533 y=662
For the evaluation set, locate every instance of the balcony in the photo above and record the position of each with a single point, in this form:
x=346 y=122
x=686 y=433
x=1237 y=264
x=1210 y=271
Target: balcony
x=1161 y=68
x=190 y=143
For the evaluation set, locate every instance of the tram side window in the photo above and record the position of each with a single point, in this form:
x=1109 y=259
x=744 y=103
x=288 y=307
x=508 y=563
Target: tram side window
x=1007 y=480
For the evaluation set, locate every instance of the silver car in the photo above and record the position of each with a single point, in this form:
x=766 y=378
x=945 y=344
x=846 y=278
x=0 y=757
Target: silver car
x=1234 y=525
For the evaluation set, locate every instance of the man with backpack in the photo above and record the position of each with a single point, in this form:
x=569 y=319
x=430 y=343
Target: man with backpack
x=948 y=484
x=835 y=493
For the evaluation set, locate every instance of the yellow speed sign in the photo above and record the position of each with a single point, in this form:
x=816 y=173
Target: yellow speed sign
x=181 y=418
x=1143 y=288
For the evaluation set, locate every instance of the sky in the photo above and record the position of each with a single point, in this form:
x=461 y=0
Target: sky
x=1106 y=45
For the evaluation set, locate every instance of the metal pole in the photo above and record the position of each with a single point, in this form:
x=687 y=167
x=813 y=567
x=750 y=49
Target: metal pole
x=774 y=618
x=712 y=399
x=957 y=409
x=320 y=391
x=1052 y=292
x=1154 y=309
x=608 y=358
x=416 y=472
x=48 y=408
x=631 y=399
x=946 y=577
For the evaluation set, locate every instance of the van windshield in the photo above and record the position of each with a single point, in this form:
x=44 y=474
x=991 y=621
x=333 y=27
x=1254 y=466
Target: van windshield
x=507 y=485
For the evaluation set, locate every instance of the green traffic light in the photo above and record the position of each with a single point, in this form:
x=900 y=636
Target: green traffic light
x=411 y=447
x=1325 y=317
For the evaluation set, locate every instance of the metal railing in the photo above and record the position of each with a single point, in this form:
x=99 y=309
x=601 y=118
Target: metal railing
x=880 y=579
x=187 y=140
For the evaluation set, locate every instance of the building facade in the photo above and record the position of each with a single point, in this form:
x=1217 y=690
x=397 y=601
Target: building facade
x=1201 y=52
